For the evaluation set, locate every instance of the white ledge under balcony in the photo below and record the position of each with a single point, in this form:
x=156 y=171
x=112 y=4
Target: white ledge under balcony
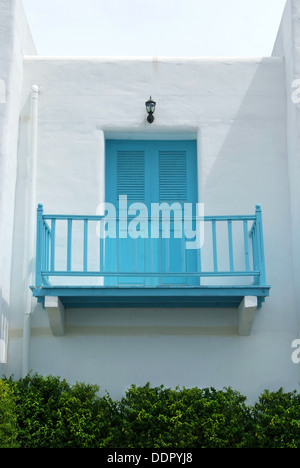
x=79 y=265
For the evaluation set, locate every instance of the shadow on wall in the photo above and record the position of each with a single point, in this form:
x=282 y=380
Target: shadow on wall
x=245 y=153
x=4 y=327
x=20 y=265
x=246 y=164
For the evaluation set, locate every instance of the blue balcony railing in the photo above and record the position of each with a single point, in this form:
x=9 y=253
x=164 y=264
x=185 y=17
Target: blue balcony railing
x=71 y=253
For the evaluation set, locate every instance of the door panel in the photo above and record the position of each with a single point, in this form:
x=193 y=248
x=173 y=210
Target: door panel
x=151 y=172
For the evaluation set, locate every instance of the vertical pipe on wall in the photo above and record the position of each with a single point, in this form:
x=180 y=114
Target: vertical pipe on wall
x=31 y=230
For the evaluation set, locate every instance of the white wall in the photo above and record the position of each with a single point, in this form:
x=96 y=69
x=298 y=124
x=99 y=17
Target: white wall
x=15 y=40
x=236 y=109
x=287 y=45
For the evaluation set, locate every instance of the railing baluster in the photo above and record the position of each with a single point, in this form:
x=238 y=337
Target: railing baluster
x=214 y=238
x=253 y=235
x=167 y=254
x=85 y=244
x=48 y=251
x=39 y=245
x=260 y=247
x=48 y=248
x=199 y=257
x=117 y=260
x=254 y=246
x=53 y=230
x=246 y=245
x=101 y=246
x=184 y=256
x=69 y=245
x=230 y=245
x=159 y=254
x=45 y=247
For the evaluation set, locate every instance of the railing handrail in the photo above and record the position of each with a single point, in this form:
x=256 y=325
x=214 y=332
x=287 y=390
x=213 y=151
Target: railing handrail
x=149 y=218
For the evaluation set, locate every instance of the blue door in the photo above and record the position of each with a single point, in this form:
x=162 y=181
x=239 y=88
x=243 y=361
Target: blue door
x=141 y=178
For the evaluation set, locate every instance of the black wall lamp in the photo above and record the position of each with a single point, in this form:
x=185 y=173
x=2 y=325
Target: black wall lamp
x=150 y=107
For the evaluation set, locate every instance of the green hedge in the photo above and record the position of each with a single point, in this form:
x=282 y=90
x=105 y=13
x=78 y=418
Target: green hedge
x=47 y=412
x=8 y=419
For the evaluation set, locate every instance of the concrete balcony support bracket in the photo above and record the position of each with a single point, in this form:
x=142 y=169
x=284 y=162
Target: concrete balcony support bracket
x=56 y=314
x=246 y=313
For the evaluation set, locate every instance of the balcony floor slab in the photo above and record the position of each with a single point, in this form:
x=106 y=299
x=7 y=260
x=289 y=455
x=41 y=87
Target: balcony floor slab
x=151 y=297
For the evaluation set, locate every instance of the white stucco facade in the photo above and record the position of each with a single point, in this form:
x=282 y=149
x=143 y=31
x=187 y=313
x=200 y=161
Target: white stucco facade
x=241 y=114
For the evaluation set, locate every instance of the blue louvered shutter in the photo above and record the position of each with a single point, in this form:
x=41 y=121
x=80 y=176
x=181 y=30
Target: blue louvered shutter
x=172 y=176
x=151 y=171
x=131 y=175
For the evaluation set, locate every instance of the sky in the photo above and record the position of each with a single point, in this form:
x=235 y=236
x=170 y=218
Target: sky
x=173 y=28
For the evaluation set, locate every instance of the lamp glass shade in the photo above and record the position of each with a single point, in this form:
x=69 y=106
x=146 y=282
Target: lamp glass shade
x=150 y=106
